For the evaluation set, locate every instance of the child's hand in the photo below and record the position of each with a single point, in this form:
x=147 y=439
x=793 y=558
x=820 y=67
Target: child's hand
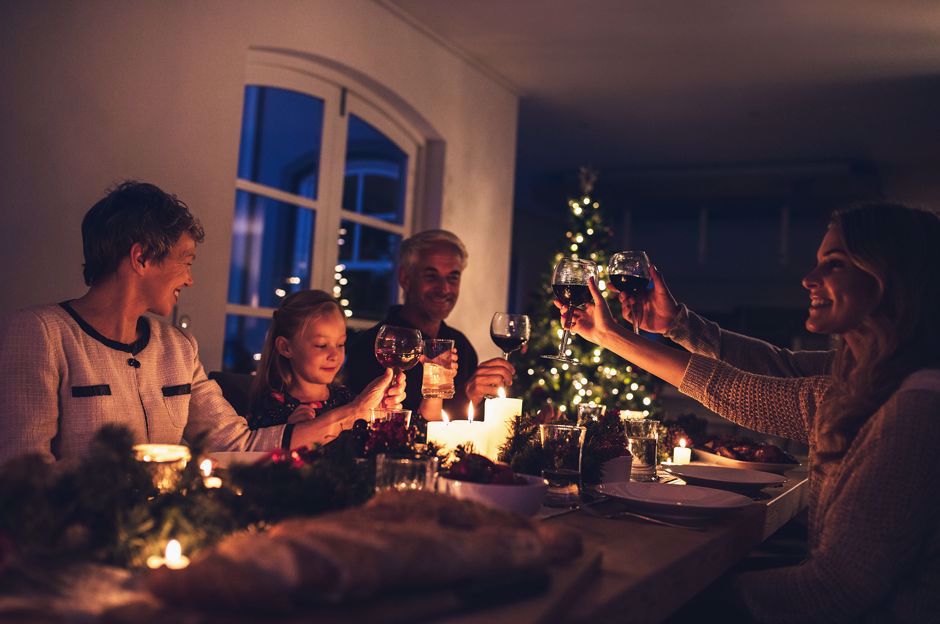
x=301 y=413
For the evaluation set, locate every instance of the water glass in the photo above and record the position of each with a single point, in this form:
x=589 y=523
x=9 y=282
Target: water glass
x=642 y=437
x=405 y=473
x=380 y=414
x=562 y=446
x=588 y=412
x=438 y=379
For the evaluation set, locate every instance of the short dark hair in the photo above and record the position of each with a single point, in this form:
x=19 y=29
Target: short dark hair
x=133 y=212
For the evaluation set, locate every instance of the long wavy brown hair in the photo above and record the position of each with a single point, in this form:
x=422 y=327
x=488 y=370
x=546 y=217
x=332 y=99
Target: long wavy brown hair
x=290 y=319
x=900 y=247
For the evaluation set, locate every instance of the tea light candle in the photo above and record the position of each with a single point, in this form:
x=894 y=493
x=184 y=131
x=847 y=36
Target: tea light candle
x=500 y=413
x=166 y=460
x=173 y=557
x=680 y=454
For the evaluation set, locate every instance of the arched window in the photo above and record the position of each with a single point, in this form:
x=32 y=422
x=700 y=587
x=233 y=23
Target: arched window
x=324 y=197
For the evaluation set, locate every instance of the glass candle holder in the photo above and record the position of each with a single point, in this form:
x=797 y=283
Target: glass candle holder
x=165 y=463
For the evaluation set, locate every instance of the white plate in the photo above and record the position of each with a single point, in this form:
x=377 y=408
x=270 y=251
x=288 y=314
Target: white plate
x=224 y=459
x=717 y=460
x=678 y=501
x=723 y=477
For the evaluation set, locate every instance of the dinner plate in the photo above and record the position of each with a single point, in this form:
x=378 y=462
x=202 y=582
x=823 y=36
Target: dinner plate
x=675 y=501
x=717 y=460
x=224 y=459
x=739 y=479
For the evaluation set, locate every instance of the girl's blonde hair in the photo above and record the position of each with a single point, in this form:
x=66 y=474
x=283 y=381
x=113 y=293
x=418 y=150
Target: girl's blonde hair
x=900 y=248
x=290 y=319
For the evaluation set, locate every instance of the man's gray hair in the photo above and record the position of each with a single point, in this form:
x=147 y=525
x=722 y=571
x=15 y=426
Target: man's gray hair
x=413 y=247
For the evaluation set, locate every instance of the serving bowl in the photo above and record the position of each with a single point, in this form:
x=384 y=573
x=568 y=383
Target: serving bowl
x=523 y=499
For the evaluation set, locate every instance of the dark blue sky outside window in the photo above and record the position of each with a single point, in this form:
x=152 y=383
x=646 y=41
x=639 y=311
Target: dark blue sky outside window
x=272 y=244
x=244 y=337
x=376 y=173
x=281 y=140
x=370 y=256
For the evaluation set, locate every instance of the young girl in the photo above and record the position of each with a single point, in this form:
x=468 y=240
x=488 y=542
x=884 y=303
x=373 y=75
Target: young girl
x=303 y=351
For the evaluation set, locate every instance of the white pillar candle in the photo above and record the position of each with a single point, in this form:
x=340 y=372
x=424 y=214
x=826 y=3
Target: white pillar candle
x=680 y=454
x=449 y=434
x=500 y=413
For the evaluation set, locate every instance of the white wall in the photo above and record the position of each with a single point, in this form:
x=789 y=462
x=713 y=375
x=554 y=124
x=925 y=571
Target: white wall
x=96 y=92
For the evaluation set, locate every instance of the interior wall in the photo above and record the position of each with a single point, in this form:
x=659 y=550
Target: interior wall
x=97 y=92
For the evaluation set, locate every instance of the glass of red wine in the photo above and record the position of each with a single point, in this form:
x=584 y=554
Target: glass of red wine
x=570 y=285
x=398 y=348
x=510 y=332
x=629 y=272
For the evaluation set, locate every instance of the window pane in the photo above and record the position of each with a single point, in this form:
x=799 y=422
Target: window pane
x=280 y=144
x=376 y=173
x=244 y=340
x=272 y=243
x=369 y=257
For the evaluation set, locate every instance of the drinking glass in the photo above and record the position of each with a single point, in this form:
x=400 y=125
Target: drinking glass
x=562 y=445
x=398 y=348
x=642 y=438
x=510 y=332
x=380 y=414
x=629 y=273
x=437 y=381
x=405 y=473
x=570 y=285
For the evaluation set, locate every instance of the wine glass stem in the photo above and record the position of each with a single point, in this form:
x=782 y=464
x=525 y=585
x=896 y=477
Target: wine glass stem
x=565 y=337
x=636 y=318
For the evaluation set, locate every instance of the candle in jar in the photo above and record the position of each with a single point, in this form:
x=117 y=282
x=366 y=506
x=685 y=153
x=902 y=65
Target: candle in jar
x=500 y=413
x=165 y=461
x=680 y=454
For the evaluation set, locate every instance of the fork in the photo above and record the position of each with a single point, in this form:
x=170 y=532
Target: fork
x=630 y=514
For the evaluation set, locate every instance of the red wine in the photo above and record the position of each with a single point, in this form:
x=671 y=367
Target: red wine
x=507 y=343
x=390 y=358
x=573 y=295
x=630 y=284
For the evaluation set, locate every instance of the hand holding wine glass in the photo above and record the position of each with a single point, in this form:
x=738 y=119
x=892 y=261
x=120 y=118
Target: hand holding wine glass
x=570 y=285
x=629 y=273
x=510 y=332
x=398 y=348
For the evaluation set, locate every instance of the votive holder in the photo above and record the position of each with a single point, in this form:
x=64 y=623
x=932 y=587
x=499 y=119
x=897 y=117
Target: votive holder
x=165 y=463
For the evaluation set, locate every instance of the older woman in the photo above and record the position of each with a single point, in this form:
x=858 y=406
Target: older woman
x=870 y=413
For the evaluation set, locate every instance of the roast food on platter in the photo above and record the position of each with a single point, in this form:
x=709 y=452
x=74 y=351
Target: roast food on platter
x=398 y=540
x=746 y=450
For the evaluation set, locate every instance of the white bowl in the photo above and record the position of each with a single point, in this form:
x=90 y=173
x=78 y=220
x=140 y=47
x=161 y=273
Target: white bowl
x=523 y=499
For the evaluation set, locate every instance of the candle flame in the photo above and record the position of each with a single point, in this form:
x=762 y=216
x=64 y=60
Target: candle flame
x=682 y=442
x=206 y=467
x=501 y=392
x=444 y=416
x=470 y=413
x=173 y=551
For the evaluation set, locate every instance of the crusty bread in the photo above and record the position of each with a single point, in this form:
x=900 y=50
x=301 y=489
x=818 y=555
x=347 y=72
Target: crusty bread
x=397 y=540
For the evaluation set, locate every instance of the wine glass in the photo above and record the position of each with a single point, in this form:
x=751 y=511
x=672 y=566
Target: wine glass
x=629 y=273
x=570 y=285
x=510 y=332
x=398 y=348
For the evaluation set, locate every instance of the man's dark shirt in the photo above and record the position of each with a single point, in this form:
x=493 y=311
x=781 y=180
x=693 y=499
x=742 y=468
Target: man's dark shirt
x=362 y=367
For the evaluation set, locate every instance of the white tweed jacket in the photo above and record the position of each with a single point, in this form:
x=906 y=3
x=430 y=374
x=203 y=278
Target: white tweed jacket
x=60 y=381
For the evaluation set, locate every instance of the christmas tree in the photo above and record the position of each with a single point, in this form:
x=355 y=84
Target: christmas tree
x=602 y=378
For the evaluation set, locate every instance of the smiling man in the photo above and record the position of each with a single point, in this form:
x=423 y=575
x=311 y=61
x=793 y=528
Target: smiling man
x=430 y=267
x=68 y=369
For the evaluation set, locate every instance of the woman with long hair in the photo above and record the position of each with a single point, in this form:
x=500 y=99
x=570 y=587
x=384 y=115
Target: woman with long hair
x=870 y=413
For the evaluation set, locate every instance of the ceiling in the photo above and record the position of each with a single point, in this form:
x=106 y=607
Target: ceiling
x=629 y=84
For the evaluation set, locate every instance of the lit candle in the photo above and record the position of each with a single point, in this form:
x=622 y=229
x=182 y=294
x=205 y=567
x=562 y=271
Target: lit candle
x=173 y=557
x=500 y=413
x=166 y=462
x=449 y=434
x=681 y=454
x=205 y=467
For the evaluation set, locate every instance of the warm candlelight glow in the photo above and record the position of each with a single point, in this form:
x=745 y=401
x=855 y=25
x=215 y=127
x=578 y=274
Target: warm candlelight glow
x=206 y=467
x=680 y=454
x=470 y=413
x=501 y=392
x=164 y=461
x=212 y=482
x=174 y=558
x=445 y=417
x=682 y=442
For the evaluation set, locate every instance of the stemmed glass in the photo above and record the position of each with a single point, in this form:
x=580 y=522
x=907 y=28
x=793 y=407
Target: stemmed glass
x=510 y=332
x=629 y=273
x=570 y=285
x=398 y=348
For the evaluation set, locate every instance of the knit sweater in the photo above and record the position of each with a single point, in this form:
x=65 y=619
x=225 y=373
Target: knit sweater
x=61 y=381
x=874 y=517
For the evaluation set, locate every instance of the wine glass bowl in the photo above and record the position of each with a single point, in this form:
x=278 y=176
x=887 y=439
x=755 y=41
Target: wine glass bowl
x=510 y=332
x=398 y=348
x=570 y=287
x=629 y=272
